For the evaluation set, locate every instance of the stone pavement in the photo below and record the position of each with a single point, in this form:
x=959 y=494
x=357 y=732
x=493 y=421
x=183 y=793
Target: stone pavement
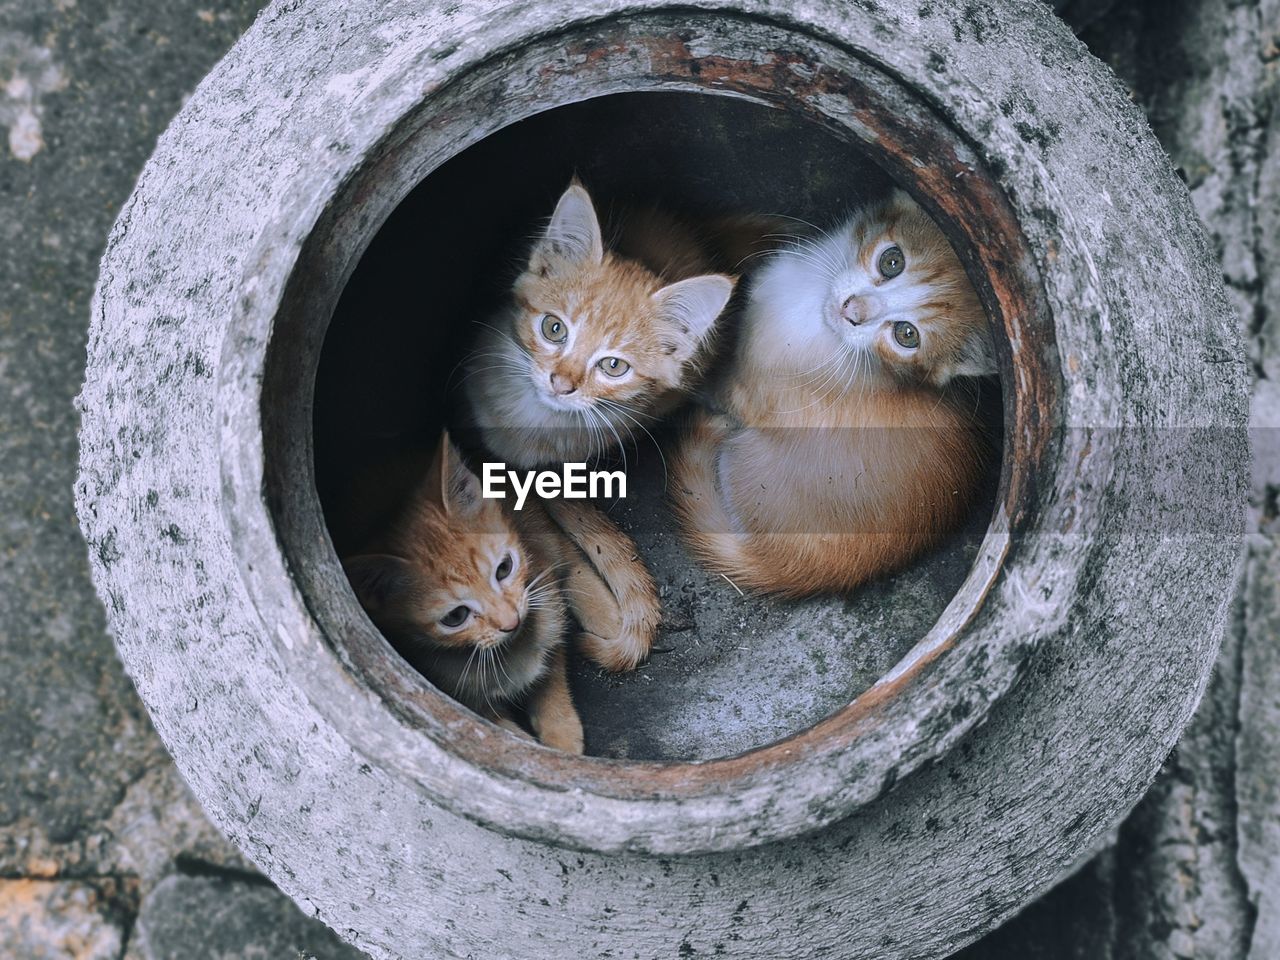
x=103 y=852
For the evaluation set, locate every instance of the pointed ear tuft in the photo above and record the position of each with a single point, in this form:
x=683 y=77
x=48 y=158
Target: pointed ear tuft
x=692 y=306
x=572 y=238
x=437 y=473
x=450 y=483
x=901 y=201
x=379 y=579
x=977 y=358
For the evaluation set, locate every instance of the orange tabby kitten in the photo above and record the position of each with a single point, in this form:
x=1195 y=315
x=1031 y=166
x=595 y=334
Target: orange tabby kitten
x=594 y=342
x=843 y=449
x=478 y=597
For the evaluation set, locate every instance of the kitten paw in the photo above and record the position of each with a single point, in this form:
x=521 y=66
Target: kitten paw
x=565 y=734
x=623 y=652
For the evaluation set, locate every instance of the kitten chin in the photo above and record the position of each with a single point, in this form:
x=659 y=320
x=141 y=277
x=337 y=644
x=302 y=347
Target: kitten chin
x=511 y=670
x=844 y=443
x=596 y=340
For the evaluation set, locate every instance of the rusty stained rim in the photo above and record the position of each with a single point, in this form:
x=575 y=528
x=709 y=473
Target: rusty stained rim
x=875 y=114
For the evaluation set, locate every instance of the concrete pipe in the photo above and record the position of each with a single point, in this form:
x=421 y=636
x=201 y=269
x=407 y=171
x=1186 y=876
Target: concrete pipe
x=1028 y=715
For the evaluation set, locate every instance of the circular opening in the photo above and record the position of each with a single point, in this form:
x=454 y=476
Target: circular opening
x=934 y=682
x=731 y=671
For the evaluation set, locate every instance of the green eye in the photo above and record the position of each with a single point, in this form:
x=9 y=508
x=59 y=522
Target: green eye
x=891 y=263
x=614 y=366
x=906 y=334
x=504 y=567
x=553 y=328
x=456 y=617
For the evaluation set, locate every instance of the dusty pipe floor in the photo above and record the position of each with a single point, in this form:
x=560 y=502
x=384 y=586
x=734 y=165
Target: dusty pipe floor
x=732 y=672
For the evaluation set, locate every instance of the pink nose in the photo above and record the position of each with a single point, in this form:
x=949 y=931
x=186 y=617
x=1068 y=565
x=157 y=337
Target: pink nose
x=562 y=385
x=854 y=309
x=512 y=624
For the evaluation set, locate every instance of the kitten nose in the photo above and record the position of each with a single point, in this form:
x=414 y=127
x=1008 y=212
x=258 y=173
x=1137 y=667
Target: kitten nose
x=562 y=385
x=854 y=309
x=511 y=625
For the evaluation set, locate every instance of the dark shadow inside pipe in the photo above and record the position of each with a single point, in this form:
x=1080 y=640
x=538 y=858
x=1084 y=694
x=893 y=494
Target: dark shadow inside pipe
x=731 y=672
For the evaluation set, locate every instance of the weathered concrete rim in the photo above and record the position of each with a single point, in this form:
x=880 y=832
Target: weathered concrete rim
x=912 y=716
x=1125 y=627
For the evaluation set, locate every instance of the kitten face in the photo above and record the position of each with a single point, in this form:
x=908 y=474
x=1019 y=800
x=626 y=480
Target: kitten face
x=459 y=577
x=601 y=330
x=898 y=296
x=478 y=598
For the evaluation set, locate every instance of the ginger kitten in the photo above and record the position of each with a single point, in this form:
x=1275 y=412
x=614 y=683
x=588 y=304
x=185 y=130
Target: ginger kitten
x=845 y=446
x=595 y=341
x=479 y=598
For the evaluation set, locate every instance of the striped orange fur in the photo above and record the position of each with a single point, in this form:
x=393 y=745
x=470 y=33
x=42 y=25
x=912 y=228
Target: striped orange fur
x=480 y=598
x=845 y=444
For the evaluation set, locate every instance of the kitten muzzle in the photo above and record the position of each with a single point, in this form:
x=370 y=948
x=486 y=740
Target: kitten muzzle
x=562 y=385
x=855 y=310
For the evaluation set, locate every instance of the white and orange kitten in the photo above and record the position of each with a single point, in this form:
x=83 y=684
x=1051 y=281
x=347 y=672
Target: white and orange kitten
x=843 y=447
x=479 y=597
x=596 y=341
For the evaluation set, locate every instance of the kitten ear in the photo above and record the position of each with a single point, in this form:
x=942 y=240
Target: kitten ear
x=572 y=238
x=692 y=306
x=977 y=358
x=901 y=201
x=379 y=579
x=450 y=483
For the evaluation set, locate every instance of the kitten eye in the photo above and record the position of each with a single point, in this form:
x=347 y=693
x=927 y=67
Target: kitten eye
x=614 y=366
x=891 y=263
x=553 y=328
x=456 y=617
x=906 y=334
x=505 y=566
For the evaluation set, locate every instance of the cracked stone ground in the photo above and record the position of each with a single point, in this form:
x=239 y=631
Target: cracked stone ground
x=103 y=851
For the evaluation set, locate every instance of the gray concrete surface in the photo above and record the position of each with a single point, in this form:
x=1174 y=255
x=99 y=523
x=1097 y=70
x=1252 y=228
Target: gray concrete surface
x=380 y=807
x=92 y=812
x=1195 y=870
x=102 y=851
